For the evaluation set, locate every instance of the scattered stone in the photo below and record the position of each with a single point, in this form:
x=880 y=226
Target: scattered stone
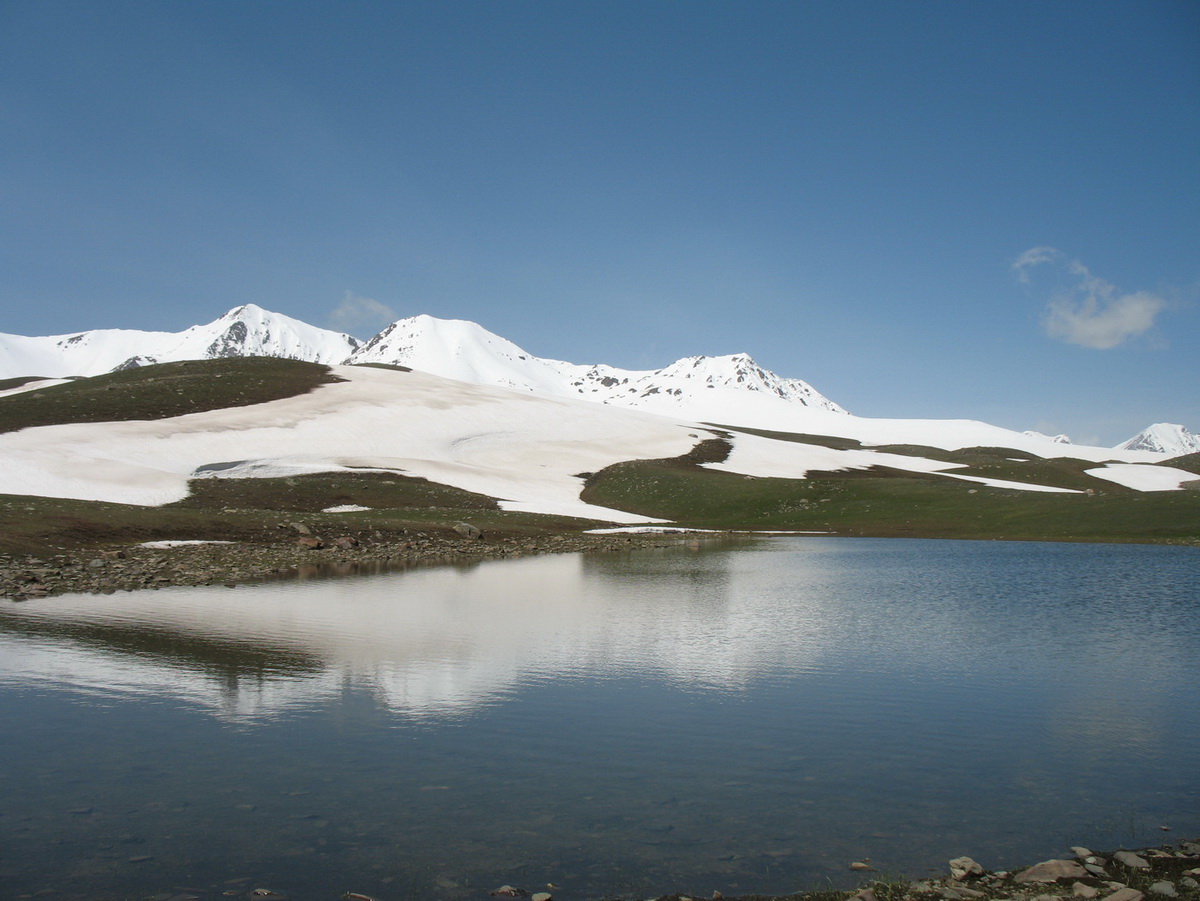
x=861 y=865
x=1167 y=889
x=301 y=528
x=345 y=542
x=466 y=530
x=541 y=896
x=1051 y=871
x=1083 y=890
x=1189 y=883
x=965 y=868
x=1125 y=894
x=864 y=895
x=311 y=542
x=1080 y=852
x=508 y=891
x=356 y=896
x=1096 y=870
x=1131 y=860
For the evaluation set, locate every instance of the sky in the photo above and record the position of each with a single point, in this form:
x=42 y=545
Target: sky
x=926 y=210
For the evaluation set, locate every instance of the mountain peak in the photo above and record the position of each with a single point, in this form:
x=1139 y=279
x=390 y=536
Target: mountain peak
x=1164 y=438
x=463 y=350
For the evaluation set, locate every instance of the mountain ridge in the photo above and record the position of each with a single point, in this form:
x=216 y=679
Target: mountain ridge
x=729 y=390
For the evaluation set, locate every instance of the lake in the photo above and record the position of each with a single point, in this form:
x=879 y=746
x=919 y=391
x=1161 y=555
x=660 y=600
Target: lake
x=743 y=716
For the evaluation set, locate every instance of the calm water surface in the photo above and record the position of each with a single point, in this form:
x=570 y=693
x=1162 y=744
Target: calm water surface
x=742 y=717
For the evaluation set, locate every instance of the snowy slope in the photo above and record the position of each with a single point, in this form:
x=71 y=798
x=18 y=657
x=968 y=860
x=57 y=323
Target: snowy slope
x=1164 y=438
x=245 y=331
x=523 y=449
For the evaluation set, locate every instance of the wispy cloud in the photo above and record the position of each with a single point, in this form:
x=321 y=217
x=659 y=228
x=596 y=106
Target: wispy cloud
x=355 y=313
x=1090 y=311
x=1034 y=256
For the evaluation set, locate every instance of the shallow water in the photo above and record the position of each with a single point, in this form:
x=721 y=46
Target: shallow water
x=747 y=716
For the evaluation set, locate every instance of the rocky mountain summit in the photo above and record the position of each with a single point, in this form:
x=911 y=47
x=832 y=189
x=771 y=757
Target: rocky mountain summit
x=1164 y=438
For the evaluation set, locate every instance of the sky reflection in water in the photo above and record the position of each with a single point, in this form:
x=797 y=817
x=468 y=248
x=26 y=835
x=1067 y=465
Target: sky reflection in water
x=748 y=717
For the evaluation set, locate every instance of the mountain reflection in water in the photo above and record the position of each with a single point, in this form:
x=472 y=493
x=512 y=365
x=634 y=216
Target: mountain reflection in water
x=748 y=715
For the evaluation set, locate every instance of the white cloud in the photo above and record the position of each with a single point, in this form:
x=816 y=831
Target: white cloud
x=1034 y=256
x=1090 y=311
x=356 y=312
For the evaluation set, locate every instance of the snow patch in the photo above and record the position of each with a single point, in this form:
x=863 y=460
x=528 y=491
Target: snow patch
x=166 y=545
x=1144 y=478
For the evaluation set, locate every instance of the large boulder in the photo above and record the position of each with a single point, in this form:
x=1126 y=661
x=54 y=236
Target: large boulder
x=1051 y=871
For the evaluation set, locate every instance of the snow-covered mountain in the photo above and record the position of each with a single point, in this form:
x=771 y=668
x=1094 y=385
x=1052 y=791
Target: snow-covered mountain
x=1164 y=438
x=727 y=390
x=1057 y=439
x=710 y=388
x=244 y=331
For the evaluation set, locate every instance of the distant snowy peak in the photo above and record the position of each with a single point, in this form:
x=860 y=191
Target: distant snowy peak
x=740 y=372
x=251 y=331
x=244 y=331
x=1057 y=439
x=1164 y=438
x=699 y=387
x=457 y=349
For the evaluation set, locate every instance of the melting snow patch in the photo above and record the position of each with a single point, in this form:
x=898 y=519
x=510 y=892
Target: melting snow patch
x=164 y=545
x=1142 y=477
x=646 y=530
x=346 y=508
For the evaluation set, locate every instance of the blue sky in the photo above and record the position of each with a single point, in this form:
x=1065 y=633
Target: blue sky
x=938 y=209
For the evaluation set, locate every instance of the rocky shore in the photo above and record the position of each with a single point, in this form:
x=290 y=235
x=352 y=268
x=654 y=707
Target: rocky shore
x=297 y=553
x=1150 y=874
x=1165 y=873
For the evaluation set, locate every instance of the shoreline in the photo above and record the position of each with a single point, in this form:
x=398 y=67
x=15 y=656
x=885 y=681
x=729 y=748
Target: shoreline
x=105 y=570
x=1161 y=873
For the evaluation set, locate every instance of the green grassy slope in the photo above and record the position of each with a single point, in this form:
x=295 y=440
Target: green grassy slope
x=163 y=391
x=883 y=502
